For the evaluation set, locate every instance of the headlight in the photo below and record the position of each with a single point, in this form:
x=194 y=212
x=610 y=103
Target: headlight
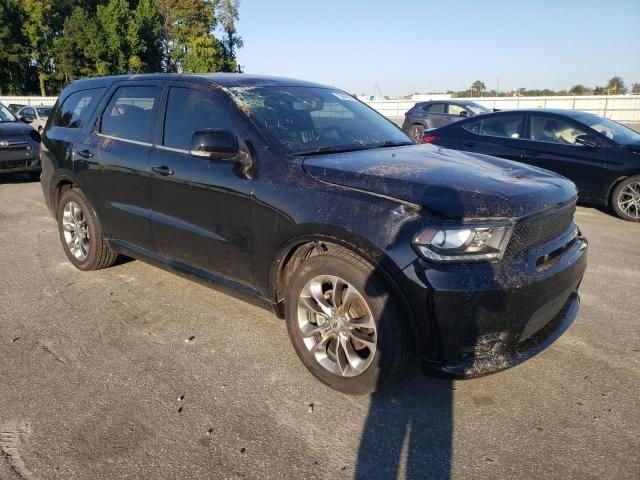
x=462 y=243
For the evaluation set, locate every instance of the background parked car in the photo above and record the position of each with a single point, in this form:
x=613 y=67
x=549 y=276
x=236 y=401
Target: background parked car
x=599 y=155
x=35 y=116
x=14 y=107
x=425 y=115
x=19 y=145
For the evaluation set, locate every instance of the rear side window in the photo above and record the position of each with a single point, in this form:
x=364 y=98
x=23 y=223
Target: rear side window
x=190 y=110
x=435 y=108
x=503 y=126
x=130 y=113
x=77 y=108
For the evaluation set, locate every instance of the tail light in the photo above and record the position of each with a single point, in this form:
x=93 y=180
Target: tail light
x=426 y=138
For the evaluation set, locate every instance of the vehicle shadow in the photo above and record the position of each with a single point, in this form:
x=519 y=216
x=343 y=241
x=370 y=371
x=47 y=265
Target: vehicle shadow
x=15 y=178
x=409 y=430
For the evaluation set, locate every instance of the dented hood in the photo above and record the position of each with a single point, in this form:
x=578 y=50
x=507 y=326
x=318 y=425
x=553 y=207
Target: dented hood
x=452 y=183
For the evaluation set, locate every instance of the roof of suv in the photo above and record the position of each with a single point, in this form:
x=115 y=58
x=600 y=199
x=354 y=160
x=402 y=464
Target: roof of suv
x=222 y=79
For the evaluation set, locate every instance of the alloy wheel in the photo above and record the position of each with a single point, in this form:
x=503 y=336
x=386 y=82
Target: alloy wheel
x=337 y=325
x=629 y=200
x=76 y=232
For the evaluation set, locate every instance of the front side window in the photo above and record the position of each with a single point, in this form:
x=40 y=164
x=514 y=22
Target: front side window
x=130 y=113
x=300 y=119
x=476 y=108
x=44 y=111
x=553 y=130
x=507 y=126
x=190 y=110
x=77 y=109
x=455 y=109
x=610 y=129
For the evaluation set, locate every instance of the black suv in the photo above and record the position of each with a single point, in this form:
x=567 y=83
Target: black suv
x=297 y=194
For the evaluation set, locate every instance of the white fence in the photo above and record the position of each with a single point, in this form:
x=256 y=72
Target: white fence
x=622 y=108
x=28 y=100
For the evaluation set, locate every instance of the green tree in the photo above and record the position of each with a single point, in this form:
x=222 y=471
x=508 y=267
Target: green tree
x=74 y=51
x=578 y=90
x=42 y=23
x=14 y=56
x=113 y=22
x=228 y=14
x=600 y=91
x=478 y=87
x=145 y=38
x=616 y=86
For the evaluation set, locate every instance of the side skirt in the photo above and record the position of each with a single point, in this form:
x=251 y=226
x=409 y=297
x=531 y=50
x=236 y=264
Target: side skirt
x=224 y=285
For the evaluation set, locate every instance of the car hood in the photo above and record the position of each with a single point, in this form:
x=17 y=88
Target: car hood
x=452 y=183
x=14 y=128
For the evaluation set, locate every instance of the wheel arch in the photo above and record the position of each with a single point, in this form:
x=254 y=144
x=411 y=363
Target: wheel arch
x=295 y=251
x=613 y=185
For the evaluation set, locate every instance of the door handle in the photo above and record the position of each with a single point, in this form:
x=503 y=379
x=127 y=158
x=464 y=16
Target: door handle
x=469 y=144
x=162 y=170
x=85 y=154
x=529 y=153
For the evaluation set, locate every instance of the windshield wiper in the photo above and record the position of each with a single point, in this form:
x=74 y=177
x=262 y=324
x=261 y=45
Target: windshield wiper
x=390 y=143
x=324 y=149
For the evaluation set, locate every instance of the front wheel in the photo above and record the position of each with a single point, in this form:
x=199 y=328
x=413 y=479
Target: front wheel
x=345 y=324
x=625 y=199
x=80 y=233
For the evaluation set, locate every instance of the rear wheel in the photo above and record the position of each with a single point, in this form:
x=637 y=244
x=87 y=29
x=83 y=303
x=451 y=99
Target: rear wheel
x=625 y=199
x=80 y=233
x=345 y=324
x=417 y=132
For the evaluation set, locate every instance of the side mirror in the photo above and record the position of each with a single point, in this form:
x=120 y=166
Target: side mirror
x=27 y=119
x=214 y=144
x=587 y=141
x=464 y=114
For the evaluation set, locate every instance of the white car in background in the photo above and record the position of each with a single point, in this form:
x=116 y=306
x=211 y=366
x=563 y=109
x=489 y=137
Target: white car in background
x=36 y=116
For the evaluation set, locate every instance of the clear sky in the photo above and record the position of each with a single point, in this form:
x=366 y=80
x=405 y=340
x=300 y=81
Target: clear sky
x=434 y=46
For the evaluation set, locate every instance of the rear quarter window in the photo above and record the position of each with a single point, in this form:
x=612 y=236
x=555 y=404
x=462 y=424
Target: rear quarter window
x=77 y=108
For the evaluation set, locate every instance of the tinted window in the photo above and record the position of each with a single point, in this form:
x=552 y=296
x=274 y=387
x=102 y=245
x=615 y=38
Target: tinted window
x=6 y=115
x=44 y=111
x=129 y=114
x=502 y=126
x=77 y=108
x=29 y=111
x=435 y=108
x=553 y=130
x=191 y=110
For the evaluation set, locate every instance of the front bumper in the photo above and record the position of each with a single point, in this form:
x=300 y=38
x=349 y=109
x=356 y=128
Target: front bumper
x=20 y=165
x=480 y=318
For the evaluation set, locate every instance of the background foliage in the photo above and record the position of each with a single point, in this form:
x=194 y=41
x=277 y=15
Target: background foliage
x=47 y=43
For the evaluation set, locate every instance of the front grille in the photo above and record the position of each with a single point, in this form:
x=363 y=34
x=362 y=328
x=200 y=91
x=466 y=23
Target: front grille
x=9 y=164
x=539 y=229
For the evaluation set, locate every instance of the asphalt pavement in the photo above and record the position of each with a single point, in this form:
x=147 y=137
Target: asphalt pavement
x=134 y=372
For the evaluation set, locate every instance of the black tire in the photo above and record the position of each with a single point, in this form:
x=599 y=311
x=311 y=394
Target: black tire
x=393 y=348
x=98 y=255
x=416 y=132
x=625 y=204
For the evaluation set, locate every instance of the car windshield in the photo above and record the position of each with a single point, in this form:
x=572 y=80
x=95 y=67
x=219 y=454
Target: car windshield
x=6 y=115
x=610 y=129
x=307 y=120
x=44 y=111
x=476 y=108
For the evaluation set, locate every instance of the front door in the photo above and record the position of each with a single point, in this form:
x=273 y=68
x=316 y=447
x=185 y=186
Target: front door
x=200 y=208
x=552 y=146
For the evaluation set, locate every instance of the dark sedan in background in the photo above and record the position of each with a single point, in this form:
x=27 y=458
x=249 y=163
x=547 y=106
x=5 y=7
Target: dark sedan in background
x=599 y=155
x=426 y=115
x=19 y=146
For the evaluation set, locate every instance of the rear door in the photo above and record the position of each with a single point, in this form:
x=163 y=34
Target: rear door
x=497 y=135
x=114 y=163
x=436 y=115
x=551 y=145
x=200 y=208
